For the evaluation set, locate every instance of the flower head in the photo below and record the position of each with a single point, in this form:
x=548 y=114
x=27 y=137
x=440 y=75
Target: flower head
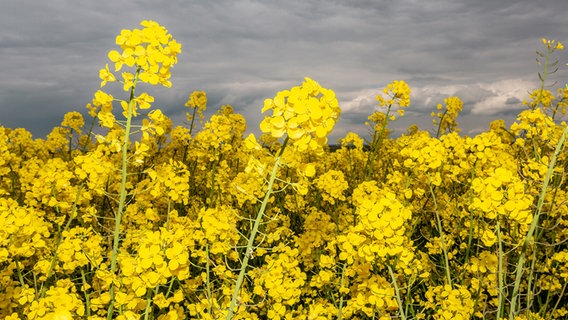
x=306 y=114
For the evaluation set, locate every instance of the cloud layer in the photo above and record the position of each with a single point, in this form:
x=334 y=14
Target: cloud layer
x=241 y=52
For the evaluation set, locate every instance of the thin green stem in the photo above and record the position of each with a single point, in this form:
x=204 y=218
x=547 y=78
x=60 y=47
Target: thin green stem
x=534 y=224
x=70 y=143
x=19 y=271
x=397 y=292
x=212 y=190
x=207 y=270
x=91 y=126
x=500 y=308
x=252 y=237
x=560 y=297
x=147 y=313
x=470 y=231
x=440 y=124
x=441 y=232
x=87 y=297
x=544 y=74
x=122 y=196
x=530 y=279
x=342 y=282
x=59 y=239
x=375 y=144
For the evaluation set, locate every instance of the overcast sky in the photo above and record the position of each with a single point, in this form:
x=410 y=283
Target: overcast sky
x=242 y=52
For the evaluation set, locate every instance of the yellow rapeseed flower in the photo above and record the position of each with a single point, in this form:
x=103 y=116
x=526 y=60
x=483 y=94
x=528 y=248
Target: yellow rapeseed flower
x=306 y=114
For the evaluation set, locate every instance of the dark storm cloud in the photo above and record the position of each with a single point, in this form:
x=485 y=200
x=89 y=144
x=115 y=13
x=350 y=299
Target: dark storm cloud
x=242 y=52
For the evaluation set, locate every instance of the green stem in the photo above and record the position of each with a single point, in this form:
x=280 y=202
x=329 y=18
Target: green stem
x=91 y=126
x=375 y=144
x=59 y=238
x=207 y=270
x=190 y=131
x=340 y=309
x=440 y=124
x=559 y=298
x=70 y=143
x=122 y=197
x=213 y=169
x=530 y=279
x=192 y=120
x=500 y=272
x=544 y=75
x=470 y=231
x=19 y=271
x=534 y=224
x=397 y=292
x=441 y=232
x=87 y=298
x=250 y=243
x=147 y=313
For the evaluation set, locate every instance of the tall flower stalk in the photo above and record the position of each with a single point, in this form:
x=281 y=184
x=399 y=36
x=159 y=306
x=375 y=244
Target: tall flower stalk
x=395 y=93
x=303 y=117
x=151 y=51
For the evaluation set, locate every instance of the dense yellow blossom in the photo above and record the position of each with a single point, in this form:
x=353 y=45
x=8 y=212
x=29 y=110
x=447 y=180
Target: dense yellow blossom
x=198 y=102
x=156 y=222
x=397 y=92
x=282 y=279
x=332 y=185
x=306 y=114
x=445 y=118
x=450 y=303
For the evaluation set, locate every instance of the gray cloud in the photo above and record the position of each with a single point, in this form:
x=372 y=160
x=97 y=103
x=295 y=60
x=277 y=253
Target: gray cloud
x=241 y=52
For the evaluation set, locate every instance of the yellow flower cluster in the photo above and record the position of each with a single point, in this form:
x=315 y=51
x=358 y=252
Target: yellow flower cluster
x=375 y=293
x=280 y=281
x=96 y=169
x=249 y=185
x=397 y=92
x=24 y=232
x=484 y=277
x=316 y=245
x=55 y=190
x=159 y=257
x=170 y=179
x=446 y=120
x=218 y=133
x=198 y=102
x=332 y=184
x=152 y=50
x=60 y=302
x=73 y=120
x=535 y=124
x=380 y=233
x=422 y=155
x=502 y=194
x=306 y=114
x=219 y=229
x=450 y=303
x=79 y=248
